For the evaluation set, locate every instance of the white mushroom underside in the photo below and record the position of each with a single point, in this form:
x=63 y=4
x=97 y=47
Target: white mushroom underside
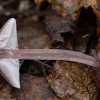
x=9 y=68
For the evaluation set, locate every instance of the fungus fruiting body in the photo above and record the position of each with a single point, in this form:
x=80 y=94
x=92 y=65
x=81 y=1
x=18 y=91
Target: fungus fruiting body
x=9 y=54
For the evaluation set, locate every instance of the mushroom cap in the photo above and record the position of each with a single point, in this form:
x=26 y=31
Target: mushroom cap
x=9 y=68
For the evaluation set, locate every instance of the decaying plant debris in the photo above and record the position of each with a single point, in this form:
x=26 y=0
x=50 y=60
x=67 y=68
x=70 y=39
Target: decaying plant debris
x=29 y=90
x=69 y=25
x=56 y=26
x=68 y=82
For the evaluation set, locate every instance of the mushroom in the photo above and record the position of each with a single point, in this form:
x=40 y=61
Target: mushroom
x=9 y=54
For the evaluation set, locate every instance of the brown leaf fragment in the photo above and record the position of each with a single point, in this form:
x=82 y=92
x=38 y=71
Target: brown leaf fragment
x=60 y=10
x=68 y=6
x=56 y=25
x=71 y=81
x=32 y=88
x=96 y=76
x=5 y=90
x=35 y=88
x=71 y=8
x=38 y=2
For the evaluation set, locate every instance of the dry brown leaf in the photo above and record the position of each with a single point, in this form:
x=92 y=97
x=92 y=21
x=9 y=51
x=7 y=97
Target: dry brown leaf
x=72 y=81
x=32 y=88
x=56 y=25
x=71 y=6
x=66 y=7
x=38 y=1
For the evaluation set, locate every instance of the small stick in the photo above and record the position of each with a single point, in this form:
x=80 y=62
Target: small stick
x=49 y=54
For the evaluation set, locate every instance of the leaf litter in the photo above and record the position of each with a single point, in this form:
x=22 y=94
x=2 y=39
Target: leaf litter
x=68 y=80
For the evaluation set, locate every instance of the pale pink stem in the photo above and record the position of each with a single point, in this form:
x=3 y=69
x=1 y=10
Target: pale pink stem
x=50 y=54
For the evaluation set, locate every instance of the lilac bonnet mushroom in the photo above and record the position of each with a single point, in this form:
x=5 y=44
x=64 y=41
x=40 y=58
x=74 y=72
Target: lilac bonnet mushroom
x=9 y=54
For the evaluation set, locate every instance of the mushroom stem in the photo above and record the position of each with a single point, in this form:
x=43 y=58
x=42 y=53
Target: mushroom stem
x=49 y=54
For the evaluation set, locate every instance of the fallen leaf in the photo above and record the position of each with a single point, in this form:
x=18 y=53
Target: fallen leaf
x=38 y=1
x=56 y=26
x=32 y=88
x=72 y=81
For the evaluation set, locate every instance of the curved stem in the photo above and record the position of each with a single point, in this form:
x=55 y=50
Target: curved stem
x=49 y=54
